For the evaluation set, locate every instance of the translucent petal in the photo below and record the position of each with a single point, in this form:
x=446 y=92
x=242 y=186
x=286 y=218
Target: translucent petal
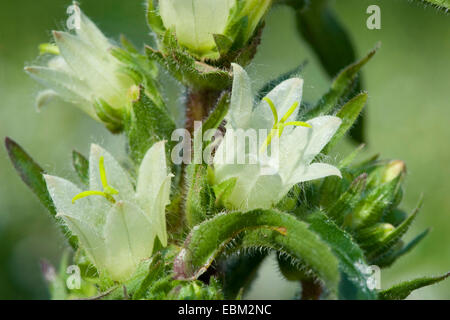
x=195 y=21
x=89 y=32
x=129 y=238
x=241 y=104
x=69 y=87
x=265 y=193
x=89 y=210
x=152 y=173
x=116 y=176
x=92 y=66
x=159 y=212
x=283 y=96
x=313 y=172
x=89 y=237
x=323 y=129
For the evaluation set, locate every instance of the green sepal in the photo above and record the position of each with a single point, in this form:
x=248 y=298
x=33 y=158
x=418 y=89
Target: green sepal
x=403 y=290
x=348 y=200
x=112 y=118
x=200 y=198
x=32 y=174
x=216 y=117
x=154 y=20
x=184 y=68
x=374 y=205
x=394 y=254
x=223 y=44
x=382 y=247
x=268 y=229
x=349 y=114
x=223 y=191
x=81 y=166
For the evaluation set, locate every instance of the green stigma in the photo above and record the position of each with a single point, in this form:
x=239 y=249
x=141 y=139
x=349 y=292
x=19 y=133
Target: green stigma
x=279 y=126
x=107 y=192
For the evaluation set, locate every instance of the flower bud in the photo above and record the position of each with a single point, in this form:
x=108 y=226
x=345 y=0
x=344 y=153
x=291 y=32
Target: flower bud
x=393 y=170
x=196 y=22
x=84 y=72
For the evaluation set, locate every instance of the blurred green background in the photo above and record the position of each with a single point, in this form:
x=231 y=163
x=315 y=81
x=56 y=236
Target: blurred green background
x=408 y=119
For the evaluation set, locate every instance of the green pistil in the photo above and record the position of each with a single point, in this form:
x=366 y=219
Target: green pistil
x=279 y=126
x=107 y=192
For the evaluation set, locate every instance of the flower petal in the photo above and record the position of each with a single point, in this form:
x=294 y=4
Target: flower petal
x=152 y=173
x=323 y=129
x=89 y=32
x=313 y=172
x=89 y=210
x=89 y=237
x=129 y=238
x=116 y=176
x=283 y=96
x=195 y=21
x=69 y=87
x=241 y=103
x=159 y=211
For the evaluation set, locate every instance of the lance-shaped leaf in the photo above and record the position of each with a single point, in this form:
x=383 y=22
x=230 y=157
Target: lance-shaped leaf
x=355 y=284
x=349 y=114
x=81 y=166
x=271 y=229
x=319 y=26
x=32 y=174
x=200 y=196
x=403 y=290
x=340 y=87
x=147 y=124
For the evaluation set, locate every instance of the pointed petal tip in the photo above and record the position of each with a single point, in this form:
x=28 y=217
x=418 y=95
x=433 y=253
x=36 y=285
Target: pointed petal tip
x=58 y=35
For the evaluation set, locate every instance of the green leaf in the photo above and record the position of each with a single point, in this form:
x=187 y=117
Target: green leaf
x=81 y=166
x=32 y=174
x=200 y=196
x=349 y=114
x=320 y=27
x=351 y=258
x=147 y=123
x=154 y=21
x=403 y=290
x=268 y=229
x=340 y=87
